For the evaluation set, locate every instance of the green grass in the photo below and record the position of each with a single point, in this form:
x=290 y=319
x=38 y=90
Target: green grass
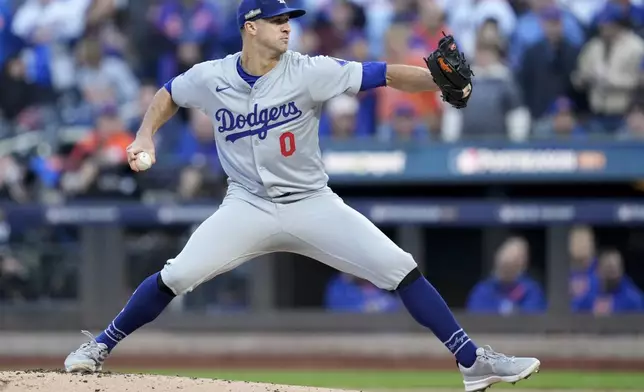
x=608 y=381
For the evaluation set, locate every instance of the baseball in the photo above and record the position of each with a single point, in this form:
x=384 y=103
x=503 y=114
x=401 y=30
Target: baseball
x=143 y=161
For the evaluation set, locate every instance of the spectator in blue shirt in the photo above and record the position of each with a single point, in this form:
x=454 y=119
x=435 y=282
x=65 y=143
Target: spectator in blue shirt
x=49 y=28
x=560 y=122
x=634 y=11
x=405 y=126
x=615 y=292
x=196 y=143
x=358 y=50
x=509 y=290
x=583 y=262
x=529 y=31
x=190 y=29
x=9 y=43
x=347 y=293
x=339 y=120
x=546 y=66
x=202 y=173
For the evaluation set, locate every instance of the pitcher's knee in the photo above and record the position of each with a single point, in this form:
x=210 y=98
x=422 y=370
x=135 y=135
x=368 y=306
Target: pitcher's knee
x=394 y=271
x=179 y=280
x=164 y=287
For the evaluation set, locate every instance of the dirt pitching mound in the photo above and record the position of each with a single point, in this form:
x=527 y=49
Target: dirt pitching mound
x=58 y=381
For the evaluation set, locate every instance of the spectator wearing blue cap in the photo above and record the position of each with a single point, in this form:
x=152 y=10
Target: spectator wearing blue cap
x=9 y=43
x=608 y=68
x=547 y=65
x=337 y=24
x=634 y=11
x=189 y=29
x=530 y=31
x=404 y=125
x=614 y=292
x=560 y=122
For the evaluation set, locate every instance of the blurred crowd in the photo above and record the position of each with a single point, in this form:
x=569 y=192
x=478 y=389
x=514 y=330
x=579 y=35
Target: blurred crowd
x=42 y=265
x=77 y=76
x=598 y=284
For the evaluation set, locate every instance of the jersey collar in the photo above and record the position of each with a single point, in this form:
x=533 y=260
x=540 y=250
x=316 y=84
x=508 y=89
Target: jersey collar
x=241 y=84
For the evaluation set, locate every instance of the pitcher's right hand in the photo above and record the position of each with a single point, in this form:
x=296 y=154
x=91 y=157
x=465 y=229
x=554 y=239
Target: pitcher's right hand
x=140 y=144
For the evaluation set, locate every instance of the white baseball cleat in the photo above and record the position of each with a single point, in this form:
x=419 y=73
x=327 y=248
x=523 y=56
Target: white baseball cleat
x=88 y=358
x=492 y=367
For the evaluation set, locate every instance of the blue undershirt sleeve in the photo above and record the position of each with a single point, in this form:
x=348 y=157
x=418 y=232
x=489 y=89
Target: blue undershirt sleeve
x=374 y=75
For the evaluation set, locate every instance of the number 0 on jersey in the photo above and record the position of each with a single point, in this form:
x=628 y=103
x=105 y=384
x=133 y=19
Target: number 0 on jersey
x=287 y=144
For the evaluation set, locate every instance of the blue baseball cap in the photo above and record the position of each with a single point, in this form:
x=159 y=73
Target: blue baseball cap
x=561 y=105
x=612 y=13
x=551 y=13
x=249 y=10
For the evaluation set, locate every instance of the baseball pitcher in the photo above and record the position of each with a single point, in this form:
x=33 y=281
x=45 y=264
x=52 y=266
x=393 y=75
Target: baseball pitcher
x=265 y=104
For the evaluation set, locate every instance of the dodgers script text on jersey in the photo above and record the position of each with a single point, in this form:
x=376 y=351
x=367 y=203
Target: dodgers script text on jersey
x=267 y=134
x=259 y=121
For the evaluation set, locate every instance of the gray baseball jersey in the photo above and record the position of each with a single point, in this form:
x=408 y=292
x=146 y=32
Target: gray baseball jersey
x=267 y=136
x=267 y=140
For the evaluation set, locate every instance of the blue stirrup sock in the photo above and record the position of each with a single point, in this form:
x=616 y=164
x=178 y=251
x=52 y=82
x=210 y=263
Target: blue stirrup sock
x=429 y=309
x=420 y=298
x=146 y=304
